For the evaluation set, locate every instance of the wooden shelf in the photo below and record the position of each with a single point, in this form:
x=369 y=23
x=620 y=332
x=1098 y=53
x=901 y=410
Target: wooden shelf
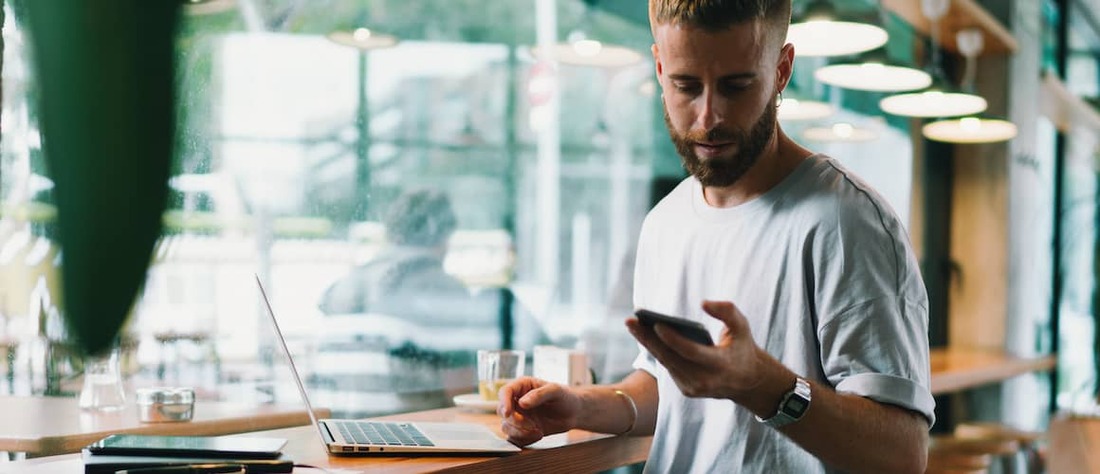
x=960 y=369
x=961 y=14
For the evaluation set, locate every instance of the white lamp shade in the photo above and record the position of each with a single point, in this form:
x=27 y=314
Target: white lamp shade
x=932 y=104
x=970 y=130
x=873 y=76
x=839 y=132
x=363 y=39
x=834 y=38
x=794 y=109
x=588 y=52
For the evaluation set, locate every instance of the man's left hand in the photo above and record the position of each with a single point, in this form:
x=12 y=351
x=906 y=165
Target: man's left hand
x=734 y=366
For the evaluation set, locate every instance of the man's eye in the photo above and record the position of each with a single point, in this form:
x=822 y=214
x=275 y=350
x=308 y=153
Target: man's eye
x=734 y=87
x=686 y=87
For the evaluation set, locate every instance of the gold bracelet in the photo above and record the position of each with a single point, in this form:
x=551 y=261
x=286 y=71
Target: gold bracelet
x=633 y=411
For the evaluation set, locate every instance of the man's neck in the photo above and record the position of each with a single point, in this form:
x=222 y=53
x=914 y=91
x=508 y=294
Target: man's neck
x=777 y=161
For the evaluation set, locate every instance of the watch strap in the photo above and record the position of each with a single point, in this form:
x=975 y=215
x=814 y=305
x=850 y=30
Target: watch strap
x=792 y=406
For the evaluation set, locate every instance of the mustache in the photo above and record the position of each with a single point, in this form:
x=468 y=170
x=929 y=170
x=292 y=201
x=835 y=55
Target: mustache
x=713 y=135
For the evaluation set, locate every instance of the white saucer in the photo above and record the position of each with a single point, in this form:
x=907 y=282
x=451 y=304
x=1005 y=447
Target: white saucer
x=475 y=402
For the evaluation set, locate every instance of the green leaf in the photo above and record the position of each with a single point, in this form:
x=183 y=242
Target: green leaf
x=105 y=70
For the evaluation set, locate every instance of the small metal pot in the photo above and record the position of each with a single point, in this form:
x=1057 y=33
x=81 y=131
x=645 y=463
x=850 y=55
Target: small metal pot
x=156 y=405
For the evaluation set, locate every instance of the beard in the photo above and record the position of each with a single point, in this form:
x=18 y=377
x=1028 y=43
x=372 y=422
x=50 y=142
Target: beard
x=723 y=171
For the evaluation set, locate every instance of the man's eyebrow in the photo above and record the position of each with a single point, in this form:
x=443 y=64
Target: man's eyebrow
x=728 y=77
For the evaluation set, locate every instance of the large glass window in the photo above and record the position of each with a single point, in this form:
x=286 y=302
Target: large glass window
x=404 y=206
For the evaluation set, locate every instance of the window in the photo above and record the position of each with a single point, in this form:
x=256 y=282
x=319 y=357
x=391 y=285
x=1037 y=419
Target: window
x=404 y=206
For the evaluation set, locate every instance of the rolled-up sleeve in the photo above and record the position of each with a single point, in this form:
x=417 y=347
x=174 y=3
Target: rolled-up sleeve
x=879 y=349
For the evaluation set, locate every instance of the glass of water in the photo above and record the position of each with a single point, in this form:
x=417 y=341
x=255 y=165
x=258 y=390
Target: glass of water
x=102 y=383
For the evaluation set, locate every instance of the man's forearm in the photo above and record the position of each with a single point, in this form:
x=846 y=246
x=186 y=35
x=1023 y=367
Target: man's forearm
x=604 y=411
x=848 y=432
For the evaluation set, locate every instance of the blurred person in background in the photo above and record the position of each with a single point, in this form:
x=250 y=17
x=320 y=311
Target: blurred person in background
x=433 y=322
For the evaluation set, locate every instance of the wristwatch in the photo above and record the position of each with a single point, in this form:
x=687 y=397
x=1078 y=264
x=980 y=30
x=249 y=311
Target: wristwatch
x=792 y=406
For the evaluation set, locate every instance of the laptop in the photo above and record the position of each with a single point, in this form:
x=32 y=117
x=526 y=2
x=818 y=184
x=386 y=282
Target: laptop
x=347 y=437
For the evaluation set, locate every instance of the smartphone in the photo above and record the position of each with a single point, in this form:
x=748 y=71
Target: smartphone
x=686 y=327
x=190 y=446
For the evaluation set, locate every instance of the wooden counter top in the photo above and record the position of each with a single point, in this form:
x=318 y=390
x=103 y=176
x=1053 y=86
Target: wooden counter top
x=575 y=451
x=960 y=369
x=41 y=426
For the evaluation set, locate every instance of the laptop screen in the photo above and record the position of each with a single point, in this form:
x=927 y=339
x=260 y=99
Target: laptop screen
x=289 y=359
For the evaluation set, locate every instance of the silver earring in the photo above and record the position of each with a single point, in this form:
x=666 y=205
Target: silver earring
x=779 y=99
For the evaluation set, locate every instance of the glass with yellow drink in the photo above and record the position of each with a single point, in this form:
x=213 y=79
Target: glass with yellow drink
x=495 y=368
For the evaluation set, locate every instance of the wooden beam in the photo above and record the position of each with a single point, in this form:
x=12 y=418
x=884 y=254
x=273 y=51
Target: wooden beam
x=960 y=15
x=1066 y=110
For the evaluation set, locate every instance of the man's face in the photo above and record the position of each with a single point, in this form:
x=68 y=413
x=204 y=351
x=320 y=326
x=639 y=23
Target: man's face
x=719 y=90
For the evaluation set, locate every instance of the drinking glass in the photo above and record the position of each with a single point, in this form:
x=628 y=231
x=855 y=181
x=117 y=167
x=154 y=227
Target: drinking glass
x=102 y=383
x=496 y=368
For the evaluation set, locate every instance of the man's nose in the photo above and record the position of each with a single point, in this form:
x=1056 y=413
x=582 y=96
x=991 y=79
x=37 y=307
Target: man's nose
x=712 y=111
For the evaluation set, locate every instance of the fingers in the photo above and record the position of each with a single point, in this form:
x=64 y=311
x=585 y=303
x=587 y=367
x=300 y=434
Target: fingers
x=657 y=345
x=518 y=408
x=730 y=315
x=509 y=394
x=520 y=429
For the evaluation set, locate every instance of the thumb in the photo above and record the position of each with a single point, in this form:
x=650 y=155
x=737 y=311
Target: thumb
x=728 y=313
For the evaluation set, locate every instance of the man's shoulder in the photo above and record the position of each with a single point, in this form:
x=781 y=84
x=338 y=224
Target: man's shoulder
x=833 y=195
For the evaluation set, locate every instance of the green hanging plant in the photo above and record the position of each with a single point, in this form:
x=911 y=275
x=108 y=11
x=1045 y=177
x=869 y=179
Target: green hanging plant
x=106 y=74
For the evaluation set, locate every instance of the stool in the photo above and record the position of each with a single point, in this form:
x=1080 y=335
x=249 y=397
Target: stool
x=1028 y=441
x=955 y=455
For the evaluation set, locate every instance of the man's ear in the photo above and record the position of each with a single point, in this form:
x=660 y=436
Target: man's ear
x=785 y=67
x=656 y=60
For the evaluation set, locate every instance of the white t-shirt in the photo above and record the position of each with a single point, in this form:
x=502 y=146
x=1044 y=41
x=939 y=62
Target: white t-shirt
x=823 y=271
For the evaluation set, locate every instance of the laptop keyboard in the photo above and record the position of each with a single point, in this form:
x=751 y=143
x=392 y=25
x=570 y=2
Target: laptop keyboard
x=378 y=433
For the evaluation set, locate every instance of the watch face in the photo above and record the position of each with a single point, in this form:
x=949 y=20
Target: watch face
x=794 y=407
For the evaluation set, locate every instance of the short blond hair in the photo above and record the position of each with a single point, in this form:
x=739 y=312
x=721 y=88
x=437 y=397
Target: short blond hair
x=718 y=15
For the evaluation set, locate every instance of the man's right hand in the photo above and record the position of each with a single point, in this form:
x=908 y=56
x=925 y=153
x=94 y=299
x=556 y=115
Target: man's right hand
x=531 y=409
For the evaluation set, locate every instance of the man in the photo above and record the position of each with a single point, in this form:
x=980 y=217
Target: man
x=799 y=268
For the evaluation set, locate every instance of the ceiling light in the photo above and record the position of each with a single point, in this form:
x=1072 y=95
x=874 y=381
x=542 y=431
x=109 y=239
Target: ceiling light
x=933 y=103
x=363 y=39
x=794 y=109
x=822 y=33
x=970 y=130
x=579 y=50
x=874 y=73
x=839 y=132
x=940 y=99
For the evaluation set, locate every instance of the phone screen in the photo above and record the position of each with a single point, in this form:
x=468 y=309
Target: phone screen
x=686 y=327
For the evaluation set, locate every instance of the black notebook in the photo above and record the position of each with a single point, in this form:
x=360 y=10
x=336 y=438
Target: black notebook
x=109 y=463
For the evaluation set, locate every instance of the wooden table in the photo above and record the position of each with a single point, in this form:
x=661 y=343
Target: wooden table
x=1072 y=445
x=959 y=369
x=575 y=451
x=41 y=426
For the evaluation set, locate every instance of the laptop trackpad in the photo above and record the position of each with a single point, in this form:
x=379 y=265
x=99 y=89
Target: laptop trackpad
x=462 y=434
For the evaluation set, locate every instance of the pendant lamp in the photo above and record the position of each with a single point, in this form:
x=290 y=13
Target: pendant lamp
x=363 y=39
x=874 y=72
x=791 y=109
x=940 y=99
x=842 y=132
x=971 y=129
x=579 y=49
x=820 y=32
